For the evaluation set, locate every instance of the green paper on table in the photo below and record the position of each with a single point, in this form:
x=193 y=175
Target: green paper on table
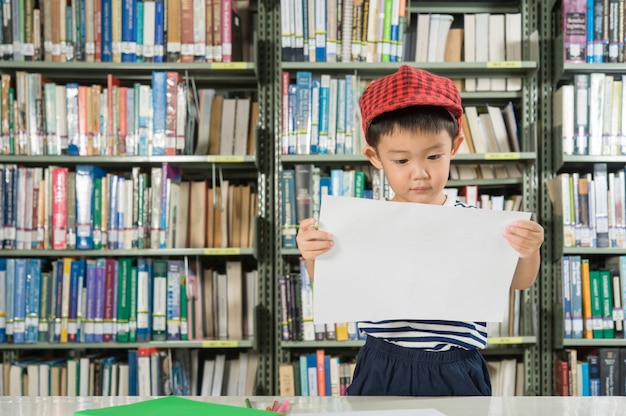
x=173 y=405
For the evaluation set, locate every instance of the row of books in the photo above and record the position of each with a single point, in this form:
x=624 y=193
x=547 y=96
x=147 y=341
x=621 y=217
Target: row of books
x=590 y=114
x=316 y=374
x=335 y=31
x=507 y=376
x=593 y=297
x=480 y=37
x=593 y=31
x=91 y=209
x=124 y=300
x=136 y=372
x=600 y=372
x=321 y=114
x=40 y=117
x=123 y=31
x=592 y=206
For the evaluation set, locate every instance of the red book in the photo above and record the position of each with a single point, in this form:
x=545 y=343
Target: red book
x=186 y=31
x=59 y=208
x=321 y=373
x=575 y=30
x=561 y=377
x=123 y=125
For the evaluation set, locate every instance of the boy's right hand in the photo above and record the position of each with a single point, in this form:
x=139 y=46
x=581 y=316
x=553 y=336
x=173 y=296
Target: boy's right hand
x=311 y=241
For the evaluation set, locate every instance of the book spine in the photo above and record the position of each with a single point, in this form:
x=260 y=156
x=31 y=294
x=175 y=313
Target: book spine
x=173 y=300
x=227 y=30
x=139 y=31
x=159 y=300
x=72 y=320
x=289 y=225
x=106 y=11
x=132 y=305
x=173 y=30
x=59 y=210
x=143 y=310
x=90 y=302
x=576 y=296
x=171 y=116
x=84 y=208
x=303 y=112
x=199 y=30
x=19 y=303
x=109 y=294
x=3 y=300
x=123 y=307
x=10 y=288
x=159 y=106
x=159 y=31
x=129 y=40
x=187 y=30
x=574 y=31
x=33 y=288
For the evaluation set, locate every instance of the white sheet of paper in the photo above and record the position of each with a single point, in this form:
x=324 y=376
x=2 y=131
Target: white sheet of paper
x=394 y=260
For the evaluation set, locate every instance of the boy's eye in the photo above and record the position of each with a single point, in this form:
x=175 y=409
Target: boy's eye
x=434 y=157
x=401 y=161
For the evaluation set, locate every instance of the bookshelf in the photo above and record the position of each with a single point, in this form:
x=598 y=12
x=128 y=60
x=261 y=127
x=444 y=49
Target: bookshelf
x=526 y=347
x=558 y=161
x=239 y=78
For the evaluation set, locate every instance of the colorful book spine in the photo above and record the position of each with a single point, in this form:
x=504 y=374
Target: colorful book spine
x=143 y=309
x=574 y=31
x=19 y=303
x=159 y=108
x=159 y=31
x=132 y=305
x=304 y=79
x=59 y=210
x=109 y=316
x=106 y=30
x=170 y=174
x=100 y=290
x=90 y=301
x=75 y=272
x=33 y=287
x=576 y=296
x=350 y=104
x=173 y=300
x=65 y=300
x=315 y=117
x=129 y=33
x=45 y=304
x=3 y=301
x=289 y=226
x=123 y=299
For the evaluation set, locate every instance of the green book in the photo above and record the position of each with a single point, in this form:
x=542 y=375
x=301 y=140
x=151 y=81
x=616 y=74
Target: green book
x=97 y=213
x=159 y=300
x=174 y=405
x=359 y=183
x=123 y=299
x=184 y=326
x=44 y=306
x=596 y=304
x=132 y=305
x=606 y=294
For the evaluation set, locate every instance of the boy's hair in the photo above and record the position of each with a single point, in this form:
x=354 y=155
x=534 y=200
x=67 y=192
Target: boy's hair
x=409 y=87
x=416 y=119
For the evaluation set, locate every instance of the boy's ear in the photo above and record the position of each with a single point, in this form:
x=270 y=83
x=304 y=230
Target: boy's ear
x=371 y=153
x=456 y=144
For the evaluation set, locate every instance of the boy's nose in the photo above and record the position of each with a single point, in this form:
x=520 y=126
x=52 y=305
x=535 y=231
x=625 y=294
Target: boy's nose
x=419 y=171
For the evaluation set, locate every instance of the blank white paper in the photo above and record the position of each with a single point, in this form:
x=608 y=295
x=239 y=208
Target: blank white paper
x=398 y=260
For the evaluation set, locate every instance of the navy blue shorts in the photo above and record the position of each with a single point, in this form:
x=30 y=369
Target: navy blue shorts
x=385 y=369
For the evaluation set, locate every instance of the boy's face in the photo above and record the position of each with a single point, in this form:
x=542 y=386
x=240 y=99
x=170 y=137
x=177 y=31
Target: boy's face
x=416 y=165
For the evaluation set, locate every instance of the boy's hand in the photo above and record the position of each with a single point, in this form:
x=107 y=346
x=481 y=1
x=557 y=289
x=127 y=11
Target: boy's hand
x=311 y=241
x=525 y=237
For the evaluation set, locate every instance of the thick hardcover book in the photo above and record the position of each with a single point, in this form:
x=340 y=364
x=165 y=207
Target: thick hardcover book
x=123 y=299
x=609 y=371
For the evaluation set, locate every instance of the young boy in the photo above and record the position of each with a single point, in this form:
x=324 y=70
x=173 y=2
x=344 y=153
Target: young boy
x=412 y=125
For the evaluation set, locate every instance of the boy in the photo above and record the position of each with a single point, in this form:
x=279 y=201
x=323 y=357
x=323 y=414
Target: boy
x=412 y=125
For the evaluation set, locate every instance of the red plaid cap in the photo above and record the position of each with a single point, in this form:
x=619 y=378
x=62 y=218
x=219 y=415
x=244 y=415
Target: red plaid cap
x=405 y=88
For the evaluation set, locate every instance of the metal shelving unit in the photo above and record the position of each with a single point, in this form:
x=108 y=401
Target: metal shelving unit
x=528 y=99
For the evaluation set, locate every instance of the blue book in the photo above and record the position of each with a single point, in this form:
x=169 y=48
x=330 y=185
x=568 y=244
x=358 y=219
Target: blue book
x=173 y=300
x=139 y=31
x=320 y=31
x=349 y=129
x=133 y=370
x=33 y=285
x=576 y=299
x=584 y=373
x=323 y=114
x=336 y=182
x=75 y=273
x=292 y=105
x=327 y=375
x=159 y=31
x=159 y=108
x=85 y=177
x=90 y=301
x=590 y=31
x=19 y=304
x=315 y=116
x=341 y=117
x=10 y=285
x=57 y=297
x=106 y=29
x=567 y=304
x=311 y=360
x=594 y=374
x=129 y=33
x=3 y=300
x=120 y=211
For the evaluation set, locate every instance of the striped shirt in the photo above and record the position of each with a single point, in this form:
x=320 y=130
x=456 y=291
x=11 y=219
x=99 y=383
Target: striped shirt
x=428 y=334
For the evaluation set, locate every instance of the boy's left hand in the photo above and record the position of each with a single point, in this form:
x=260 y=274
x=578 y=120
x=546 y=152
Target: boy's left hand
x=525 y=237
